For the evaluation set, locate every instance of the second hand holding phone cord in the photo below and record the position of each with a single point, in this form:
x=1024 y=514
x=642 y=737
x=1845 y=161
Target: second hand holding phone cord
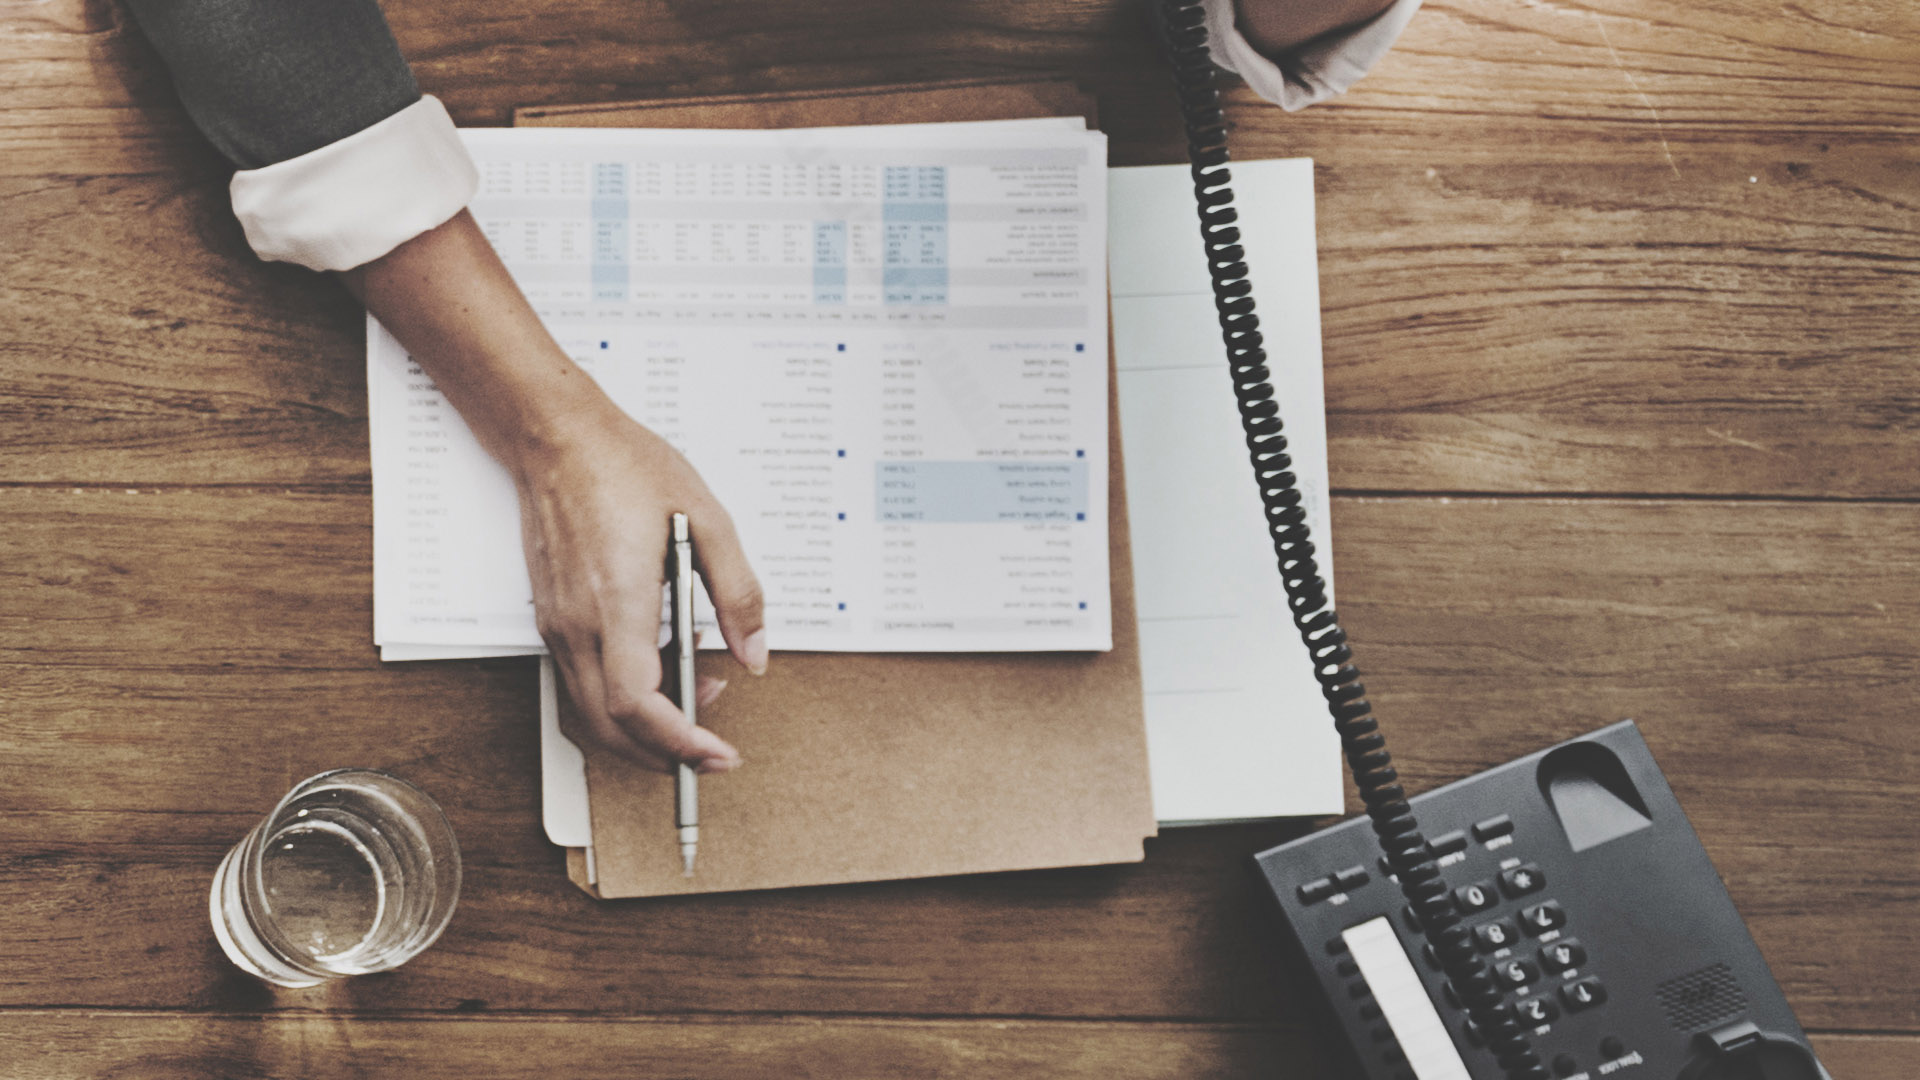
x=1183 y=28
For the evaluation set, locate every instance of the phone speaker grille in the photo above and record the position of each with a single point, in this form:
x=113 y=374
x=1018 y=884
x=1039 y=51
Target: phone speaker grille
x=1701 y=998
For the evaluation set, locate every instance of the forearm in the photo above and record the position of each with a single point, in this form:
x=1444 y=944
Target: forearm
x=450 y=301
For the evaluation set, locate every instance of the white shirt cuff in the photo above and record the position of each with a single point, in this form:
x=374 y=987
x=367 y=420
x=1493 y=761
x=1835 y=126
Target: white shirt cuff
x=352 y=201
x=1318 y=70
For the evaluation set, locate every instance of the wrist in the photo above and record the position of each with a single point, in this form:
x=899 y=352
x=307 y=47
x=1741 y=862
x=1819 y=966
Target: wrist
x=529 y=411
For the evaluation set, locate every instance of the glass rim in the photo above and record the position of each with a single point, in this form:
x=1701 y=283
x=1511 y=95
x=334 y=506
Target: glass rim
x=251 y=870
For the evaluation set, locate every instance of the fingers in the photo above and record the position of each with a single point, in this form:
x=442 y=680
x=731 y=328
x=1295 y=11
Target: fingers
x=737 y=600
x=588 y=721
x=630 y=667
x=645 y=728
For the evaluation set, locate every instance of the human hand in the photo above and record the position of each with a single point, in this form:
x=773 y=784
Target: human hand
x=595 y=498
x=595 y=488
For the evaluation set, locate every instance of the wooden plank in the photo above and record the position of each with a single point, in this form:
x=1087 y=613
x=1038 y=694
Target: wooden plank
x=58 y=1045
x=86 y=91
x=170 y=662
x=1608 y=249
x=1488 y=327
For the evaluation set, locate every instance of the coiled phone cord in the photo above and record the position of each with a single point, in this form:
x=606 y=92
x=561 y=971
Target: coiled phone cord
x=1183 y=29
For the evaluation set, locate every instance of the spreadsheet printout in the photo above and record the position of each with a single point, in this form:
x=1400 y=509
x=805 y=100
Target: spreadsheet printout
x=884 y=349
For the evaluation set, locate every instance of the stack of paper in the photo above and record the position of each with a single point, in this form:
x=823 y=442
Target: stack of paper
x=884 y=349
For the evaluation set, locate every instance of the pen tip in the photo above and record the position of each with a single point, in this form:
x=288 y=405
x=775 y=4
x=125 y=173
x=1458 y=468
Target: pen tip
x=686 y=862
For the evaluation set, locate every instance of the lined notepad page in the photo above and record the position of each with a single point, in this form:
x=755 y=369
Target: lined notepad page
x=1236 y=725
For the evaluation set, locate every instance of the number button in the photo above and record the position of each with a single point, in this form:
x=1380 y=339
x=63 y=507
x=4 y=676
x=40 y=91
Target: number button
x=1541 y=918
x=1584 y=994
x=1476 y=897
x=1537 y=1010
x=1522 y=880
x=1562 y=955
x=1494 y=936
x=1517 y=973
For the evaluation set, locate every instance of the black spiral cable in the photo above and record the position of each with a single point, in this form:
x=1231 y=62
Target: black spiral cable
x=1183 y=29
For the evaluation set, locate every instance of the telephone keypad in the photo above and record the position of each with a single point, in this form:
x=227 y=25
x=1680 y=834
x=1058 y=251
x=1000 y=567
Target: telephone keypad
x=1521 y=880
x=1497 y=934
x=1541 y=918
x=1517 y=973
x=1478 y=896
x=1537 y=1010
x=1562 y=955
x=1583 y=994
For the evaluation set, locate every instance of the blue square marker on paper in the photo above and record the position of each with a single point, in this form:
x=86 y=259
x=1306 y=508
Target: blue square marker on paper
x=839 y=348
x=1079 y=517
x=842 y=515
x=843 y=606
x=1079 y=347
x=839 y=453
x=603 y=344
x=1083 y=605
x=1079 y=453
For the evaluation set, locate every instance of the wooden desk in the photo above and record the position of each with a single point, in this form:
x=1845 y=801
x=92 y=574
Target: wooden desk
x=1621 y=303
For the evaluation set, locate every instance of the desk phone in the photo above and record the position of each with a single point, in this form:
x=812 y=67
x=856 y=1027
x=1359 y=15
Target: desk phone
x=1563 y=919
x=1587 y=891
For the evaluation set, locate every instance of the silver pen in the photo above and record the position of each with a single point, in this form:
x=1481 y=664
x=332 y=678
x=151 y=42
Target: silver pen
x=686 y=783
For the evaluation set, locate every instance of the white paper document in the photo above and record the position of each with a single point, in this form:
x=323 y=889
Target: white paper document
x=883 y=349
x=1236 y=725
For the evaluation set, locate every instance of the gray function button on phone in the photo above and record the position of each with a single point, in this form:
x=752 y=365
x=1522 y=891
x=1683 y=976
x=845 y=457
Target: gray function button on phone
x=1492 y=827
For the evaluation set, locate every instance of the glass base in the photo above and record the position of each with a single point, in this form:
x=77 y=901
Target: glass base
x=237 y=939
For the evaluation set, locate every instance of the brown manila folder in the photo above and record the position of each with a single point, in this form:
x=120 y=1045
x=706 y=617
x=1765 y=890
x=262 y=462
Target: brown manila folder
x=864 y=767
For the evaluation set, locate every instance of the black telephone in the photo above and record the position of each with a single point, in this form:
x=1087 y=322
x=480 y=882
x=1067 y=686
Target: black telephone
x=1582 y=874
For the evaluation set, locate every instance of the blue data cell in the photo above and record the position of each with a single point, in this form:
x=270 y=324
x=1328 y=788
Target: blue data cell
x=930 y=212
x=979 y=492
x=829 y=243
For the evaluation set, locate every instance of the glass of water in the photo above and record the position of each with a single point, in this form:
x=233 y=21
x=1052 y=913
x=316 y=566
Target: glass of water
x=354 y=872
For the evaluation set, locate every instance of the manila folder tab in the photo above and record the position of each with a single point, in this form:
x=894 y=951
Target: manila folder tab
x=867 y=767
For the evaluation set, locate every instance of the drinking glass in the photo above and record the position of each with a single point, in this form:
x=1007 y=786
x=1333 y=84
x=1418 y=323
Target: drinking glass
x=354 y=872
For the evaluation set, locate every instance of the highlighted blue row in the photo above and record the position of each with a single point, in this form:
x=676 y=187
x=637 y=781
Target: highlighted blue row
x=974 y=492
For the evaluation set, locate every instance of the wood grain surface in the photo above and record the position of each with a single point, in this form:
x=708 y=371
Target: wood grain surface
x=147 y=1046
x=1621 y=305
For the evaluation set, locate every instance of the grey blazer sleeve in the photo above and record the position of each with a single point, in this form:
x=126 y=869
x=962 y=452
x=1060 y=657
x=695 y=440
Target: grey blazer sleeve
x=269 y=80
